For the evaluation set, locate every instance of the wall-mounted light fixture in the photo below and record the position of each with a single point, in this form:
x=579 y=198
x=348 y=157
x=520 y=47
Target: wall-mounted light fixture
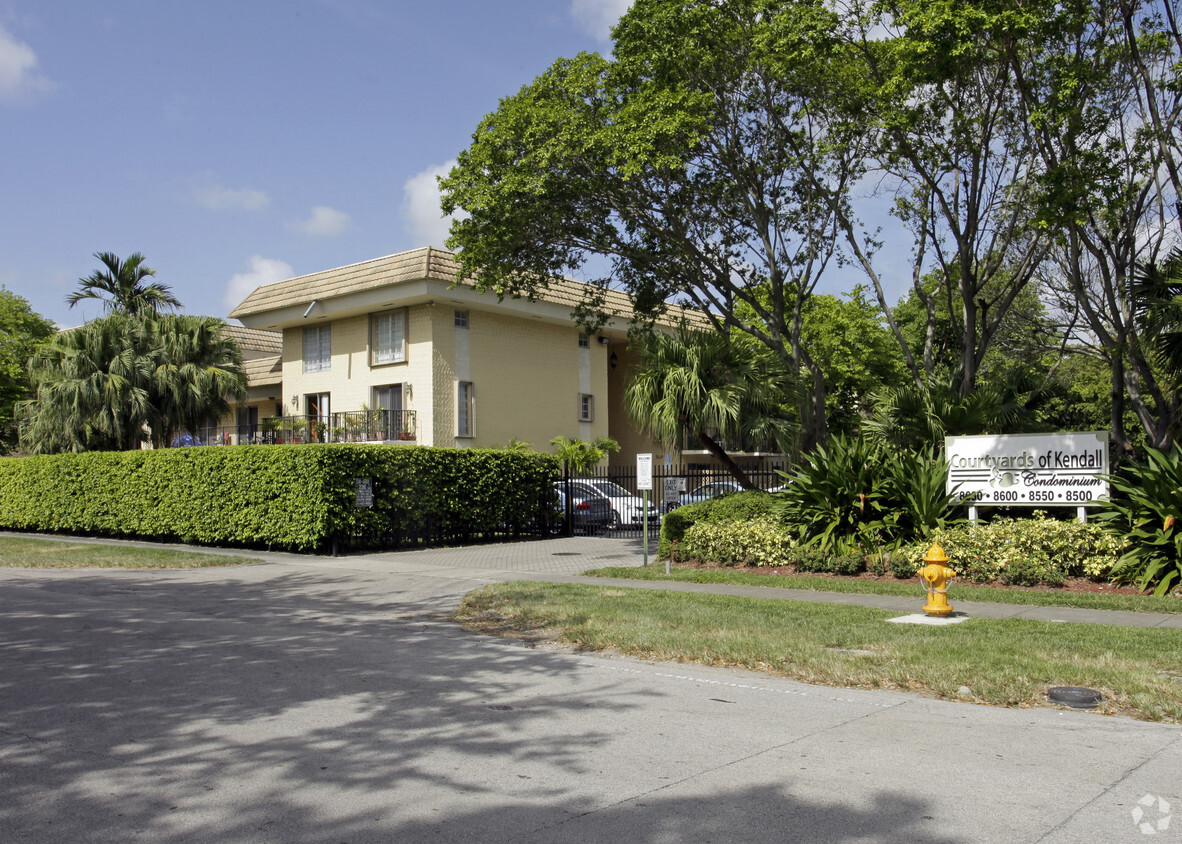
x=613 y=360
x=603 y=341
x=409 y=390
x=295 y=404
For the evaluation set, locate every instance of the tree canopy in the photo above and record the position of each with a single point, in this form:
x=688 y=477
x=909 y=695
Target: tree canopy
x=22 y=330
x=131 y=377
x=692 y=160
x=726 y=154
x=120 y=381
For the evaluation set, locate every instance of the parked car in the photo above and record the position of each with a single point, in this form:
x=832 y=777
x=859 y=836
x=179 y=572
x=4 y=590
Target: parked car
x=708 y=491
x=590 y=511
x=627 y=509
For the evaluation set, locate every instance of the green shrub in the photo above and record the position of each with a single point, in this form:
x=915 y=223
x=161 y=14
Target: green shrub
x=814 y=559
x=740 y=506
x=295 y=497
x=1021 y=552
x=756 y=542
x=858 y=496
x=1145 y=511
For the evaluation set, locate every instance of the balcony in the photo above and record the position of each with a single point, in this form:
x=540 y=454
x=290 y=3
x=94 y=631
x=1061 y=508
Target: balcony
x=354 y=426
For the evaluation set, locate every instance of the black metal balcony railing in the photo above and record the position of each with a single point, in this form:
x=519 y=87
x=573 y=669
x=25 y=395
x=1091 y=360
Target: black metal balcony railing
x=354 y=426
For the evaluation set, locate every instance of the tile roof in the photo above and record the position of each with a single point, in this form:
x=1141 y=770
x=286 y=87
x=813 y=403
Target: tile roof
x=425 y=263
x=263 y=371
x=255 y=339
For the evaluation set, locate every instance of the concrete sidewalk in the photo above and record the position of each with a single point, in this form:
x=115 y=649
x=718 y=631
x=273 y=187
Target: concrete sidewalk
x=563 y=560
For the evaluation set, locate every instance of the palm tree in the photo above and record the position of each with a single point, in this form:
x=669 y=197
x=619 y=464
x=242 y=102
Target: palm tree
x=913 y=417
x=699 y=384
x=582 y=456
x=93 y=389
x=197 y=375
x=122 y=288
x=115 y=382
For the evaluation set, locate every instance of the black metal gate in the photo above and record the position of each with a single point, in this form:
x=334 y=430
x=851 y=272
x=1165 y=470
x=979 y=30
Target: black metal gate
x=673 y=486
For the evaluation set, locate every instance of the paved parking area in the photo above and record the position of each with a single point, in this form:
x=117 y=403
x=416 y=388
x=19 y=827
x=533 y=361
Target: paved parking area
x=328 y=699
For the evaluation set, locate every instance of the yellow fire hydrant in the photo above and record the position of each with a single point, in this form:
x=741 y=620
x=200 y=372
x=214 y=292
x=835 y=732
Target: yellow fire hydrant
x=936 y=576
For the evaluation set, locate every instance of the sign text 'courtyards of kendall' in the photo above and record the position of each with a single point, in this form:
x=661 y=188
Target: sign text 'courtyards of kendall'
x=1035 y=470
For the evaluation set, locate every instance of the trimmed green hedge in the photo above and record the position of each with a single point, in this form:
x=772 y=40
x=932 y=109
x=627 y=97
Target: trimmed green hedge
x=298 y=497
x=738 y=506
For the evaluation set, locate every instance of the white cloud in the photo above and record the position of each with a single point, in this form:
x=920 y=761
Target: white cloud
x=597 y=17
x=19 y=79
x=219 y=198
x=323 y=222
x=262 y=271
x=424 y=218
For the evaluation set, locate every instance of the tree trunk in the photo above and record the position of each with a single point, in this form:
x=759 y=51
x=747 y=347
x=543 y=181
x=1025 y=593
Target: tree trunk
x=718 y=451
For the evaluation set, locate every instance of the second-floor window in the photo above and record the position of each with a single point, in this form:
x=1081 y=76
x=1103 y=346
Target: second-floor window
x=318 y=348
x=388 y=343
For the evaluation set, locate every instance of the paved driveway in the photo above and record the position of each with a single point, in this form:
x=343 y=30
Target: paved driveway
x=317 y=699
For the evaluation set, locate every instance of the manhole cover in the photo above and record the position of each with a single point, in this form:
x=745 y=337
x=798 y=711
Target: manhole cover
x=1076 y=697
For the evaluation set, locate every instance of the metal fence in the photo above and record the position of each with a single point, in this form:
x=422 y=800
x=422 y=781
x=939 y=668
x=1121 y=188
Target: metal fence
x=673 y=486
x=347 y=427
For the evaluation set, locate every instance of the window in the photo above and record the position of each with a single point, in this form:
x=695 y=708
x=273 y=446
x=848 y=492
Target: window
x=584 y=341
x=318 y=348
x=461 y=319
x=586 y=407
x=464 y=409
x=388 y=340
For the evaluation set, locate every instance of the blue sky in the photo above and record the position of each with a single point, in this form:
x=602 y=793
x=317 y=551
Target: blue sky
x=234 y=143
x=237 y=143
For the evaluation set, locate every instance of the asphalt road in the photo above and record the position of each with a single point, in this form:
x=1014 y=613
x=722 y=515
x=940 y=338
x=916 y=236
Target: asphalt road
x=317 y=699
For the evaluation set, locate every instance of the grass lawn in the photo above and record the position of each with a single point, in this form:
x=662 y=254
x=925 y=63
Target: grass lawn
x=1001 y=662
x=20 y=552
x=957 y=590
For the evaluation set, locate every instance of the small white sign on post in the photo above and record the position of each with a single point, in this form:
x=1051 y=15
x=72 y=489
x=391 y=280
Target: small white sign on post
x=644 y=484
x=644 y=472
x=1029 y=470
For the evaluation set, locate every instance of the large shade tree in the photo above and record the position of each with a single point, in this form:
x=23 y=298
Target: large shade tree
x=694 y=160
x=1098 y=81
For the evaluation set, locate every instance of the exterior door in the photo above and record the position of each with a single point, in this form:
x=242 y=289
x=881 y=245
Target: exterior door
x=317 y=405
x=388 y=400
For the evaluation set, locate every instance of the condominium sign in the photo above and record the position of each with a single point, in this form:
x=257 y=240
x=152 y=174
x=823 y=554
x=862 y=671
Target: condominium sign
x=1035 y=470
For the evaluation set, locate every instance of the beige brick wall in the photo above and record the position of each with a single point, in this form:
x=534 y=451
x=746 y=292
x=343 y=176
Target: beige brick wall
x=525 y=374
x=525 y=378
x=351 y=378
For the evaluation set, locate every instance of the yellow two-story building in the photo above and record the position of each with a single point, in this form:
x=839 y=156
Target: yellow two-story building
x=392 y=349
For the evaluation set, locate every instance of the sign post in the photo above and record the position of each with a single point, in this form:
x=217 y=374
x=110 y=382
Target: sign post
x=644 y=483
x=671 y=489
